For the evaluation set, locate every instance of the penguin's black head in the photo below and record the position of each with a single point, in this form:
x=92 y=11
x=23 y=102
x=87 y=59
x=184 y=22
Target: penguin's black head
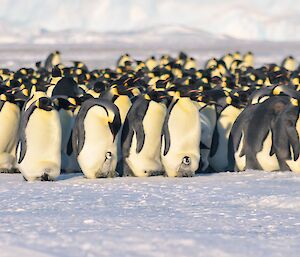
x=13 y=83
x=121 y=89
x=158 y=96
x=7 y=97
x=99 y=86
x=56 y=72
x=44 y=103
x=38 y=64
x=182 y=56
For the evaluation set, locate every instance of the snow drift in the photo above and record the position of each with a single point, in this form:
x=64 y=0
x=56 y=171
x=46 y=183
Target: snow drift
x=84 y=20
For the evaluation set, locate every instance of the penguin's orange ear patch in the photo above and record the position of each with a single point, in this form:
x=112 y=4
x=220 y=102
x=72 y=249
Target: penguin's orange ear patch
x=3 y=97
x=228 y=100
x=294 y=101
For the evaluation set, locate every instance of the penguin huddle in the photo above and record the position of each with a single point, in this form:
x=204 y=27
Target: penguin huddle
x=159 y=116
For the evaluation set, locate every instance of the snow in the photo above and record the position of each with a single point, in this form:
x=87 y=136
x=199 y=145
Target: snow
x=274 y=20
x=224 y=214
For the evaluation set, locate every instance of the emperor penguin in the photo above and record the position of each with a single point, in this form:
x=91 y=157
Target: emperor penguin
x=208 y=118
x=289 y=63
x=56 y=76
x=67 y=110
x=227 y=113
x=151 y=63
x=211 y=63
x=287 y=137
x=52 y=60
x=119 y=94
x=141 y=135
x=190 y=63
x=236 y=158
x=123 y=59
x=94 y=138
x=228 y=59
x=180 y=152
x=253 y=135
x=10 y=119
x=38 y=150
x=248 y=59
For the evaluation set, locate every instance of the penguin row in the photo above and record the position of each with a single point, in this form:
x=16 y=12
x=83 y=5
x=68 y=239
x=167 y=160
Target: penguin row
x=159 y=116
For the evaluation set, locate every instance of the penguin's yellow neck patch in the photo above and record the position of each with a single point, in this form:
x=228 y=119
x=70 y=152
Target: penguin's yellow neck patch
x=147 y=97
x=294 y=102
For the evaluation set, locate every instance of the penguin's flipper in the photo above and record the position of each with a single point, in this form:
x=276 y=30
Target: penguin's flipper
x=214 y=142
x=126 y=138
x=1 y=105
x=272 y=150
x=165 y=130
x=166 y=137
x=140 y=135
x=293 y=140
x=136 y=116
x=75 y=138
x=230 y=154
x=22 y=136
x=69 y=145
x=115 y=127
x=78 y=134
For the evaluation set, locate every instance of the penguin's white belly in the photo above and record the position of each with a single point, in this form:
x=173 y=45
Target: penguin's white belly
x=98 y=141
x=267 y=162
x=9 y=119
x=224 y=124
x=240 y=162
x=185 y=134
x=148 y=159
x=43 y=136
x=123 y=103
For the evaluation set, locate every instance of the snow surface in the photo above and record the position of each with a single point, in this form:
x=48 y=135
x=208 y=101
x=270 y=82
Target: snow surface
x=249 y=19
x=253 y=213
